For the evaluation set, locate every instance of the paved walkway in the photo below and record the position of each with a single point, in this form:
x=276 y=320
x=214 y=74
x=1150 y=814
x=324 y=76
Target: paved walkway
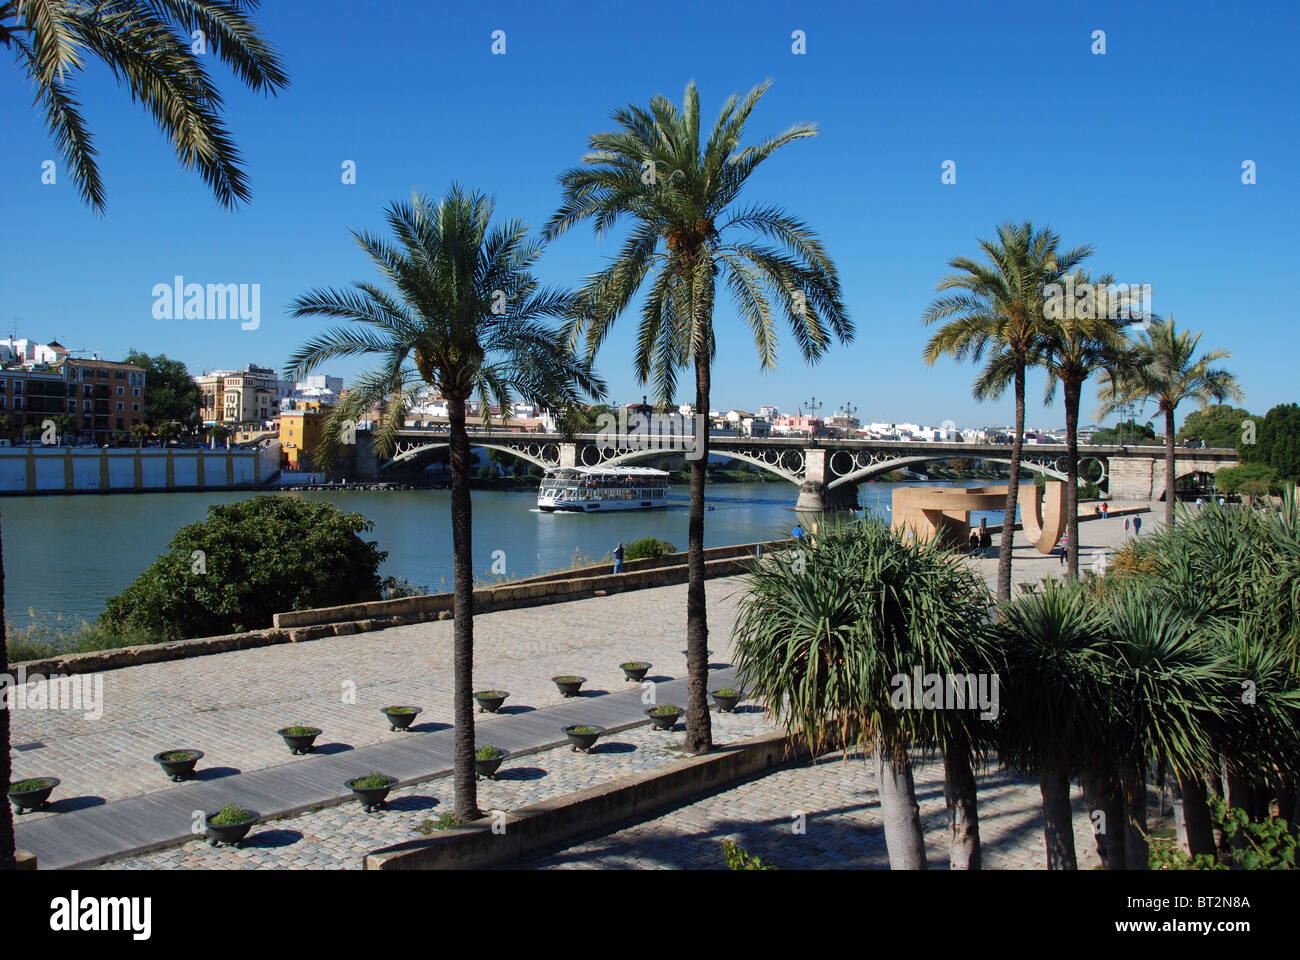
x=229 y=705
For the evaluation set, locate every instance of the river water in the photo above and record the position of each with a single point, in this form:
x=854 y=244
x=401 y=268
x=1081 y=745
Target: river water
x=64 y=556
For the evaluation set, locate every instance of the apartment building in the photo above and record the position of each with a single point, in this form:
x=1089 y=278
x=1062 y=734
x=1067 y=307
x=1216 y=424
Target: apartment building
x=104 y=398
x=251 y=395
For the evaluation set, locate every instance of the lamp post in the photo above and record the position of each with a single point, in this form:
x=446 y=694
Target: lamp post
x=813 y=406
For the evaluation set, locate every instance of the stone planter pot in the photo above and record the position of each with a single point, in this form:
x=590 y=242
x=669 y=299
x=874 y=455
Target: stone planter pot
x=635 y=670
x=583 y=742
x=399 y=718
x=569 y=687
x=487 y=769
x=489 y=701
x=231 y=834
x=725 y=704
x=663 y=721
x=25 y=801
x=299 y=743
x=178 y=769
x=371 y=798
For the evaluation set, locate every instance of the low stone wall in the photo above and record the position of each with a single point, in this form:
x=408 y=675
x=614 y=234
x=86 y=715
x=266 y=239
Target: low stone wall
x=304 y=625
x=491 y=841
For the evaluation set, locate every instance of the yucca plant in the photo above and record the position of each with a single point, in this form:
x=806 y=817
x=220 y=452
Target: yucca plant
x=823 y=638
x=462 y=312
x=680 y=196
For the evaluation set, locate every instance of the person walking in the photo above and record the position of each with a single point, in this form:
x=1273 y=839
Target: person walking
x=1126 y=527
x=1137 y=526
x=1105 y=509
x=1064 y=546
x=797 y=532
x=618 y=557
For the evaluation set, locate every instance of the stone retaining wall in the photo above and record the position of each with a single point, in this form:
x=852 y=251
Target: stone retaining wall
x=495 y=840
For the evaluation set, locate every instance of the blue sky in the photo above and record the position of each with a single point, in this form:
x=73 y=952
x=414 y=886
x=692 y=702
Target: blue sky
x=1137 y=151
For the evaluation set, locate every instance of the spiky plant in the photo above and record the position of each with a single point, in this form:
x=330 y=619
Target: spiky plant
x=681 y=200
x=460 y=311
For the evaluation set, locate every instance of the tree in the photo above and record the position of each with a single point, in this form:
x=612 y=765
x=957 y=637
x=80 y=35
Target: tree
x=1218 y=425
x=149 y=43
x=1276 y=443
x=1084 y=339
x=826 y=639
x=63 y=424
x=461 y=312
x=168 y=430
x=687 y=231
x=246 y=562
x=217 y=432
x=170 y=393
x=139 y=433
x=998 y=309
x=1124 y=433
x=1164 y=368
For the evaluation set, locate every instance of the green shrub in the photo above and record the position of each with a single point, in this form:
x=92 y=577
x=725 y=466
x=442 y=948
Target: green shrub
x=373 y=781
x=581 y=729
x=666 y=708
x=726 y=692
x=1268 y=845
x=394 y=588
x=444 y=821
x=488 y=752
x=300 y=731
x=231 y=814
x=647 y=547
x=22 y=786
x=246 y=562
x=176 y=756
x=738 y=859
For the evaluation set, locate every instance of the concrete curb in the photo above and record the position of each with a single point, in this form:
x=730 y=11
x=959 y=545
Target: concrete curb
x=500 y=839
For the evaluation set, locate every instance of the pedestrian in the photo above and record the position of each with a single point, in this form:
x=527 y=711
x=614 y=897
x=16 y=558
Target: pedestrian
x=974 y=542
x=1137 y=526
x=1064 y=546
x=618 y=557
x=797 y=532
x=1126 y=523
x=1105 y=509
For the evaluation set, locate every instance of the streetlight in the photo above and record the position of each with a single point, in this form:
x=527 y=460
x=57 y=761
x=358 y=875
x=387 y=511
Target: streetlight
x=813 y=406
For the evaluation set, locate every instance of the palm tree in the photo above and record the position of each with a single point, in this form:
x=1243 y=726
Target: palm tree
x=1165 y=369
x=1081 y=340
x=998 y=309
x=150 y=45
x=461 y=312
x=1053 y=699
x=681 y=199
x=823 y=638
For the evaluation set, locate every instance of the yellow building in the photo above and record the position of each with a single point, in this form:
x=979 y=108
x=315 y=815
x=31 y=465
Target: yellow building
x=300 y=433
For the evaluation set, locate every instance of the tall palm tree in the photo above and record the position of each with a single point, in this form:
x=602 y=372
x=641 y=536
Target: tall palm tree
x=1165 y=369
x=149 y=43
x=680 y=197
x=462 y=312
x=1080 y=340
x=997 y=309
x=822 y=639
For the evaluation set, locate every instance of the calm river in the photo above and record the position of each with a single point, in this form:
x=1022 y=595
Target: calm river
x=64 y=556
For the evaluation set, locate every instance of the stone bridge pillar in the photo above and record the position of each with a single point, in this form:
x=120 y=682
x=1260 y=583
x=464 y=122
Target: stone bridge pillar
x=1143 y=477
x=365 y=465
x=814 y=495
x=568 y=454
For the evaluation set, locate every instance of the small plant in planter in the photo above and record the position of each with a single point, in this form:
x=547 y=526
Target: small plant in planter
x=399 y=718
x=487 y=759
x=32 y=793
x=569 y=685
x=300 y=739
x=664 y=716
x=489 y=701
x=726 y=698
x=372 y=789
x=635 y=670
x=178 y=764
x=582 y=737
x=230 y=825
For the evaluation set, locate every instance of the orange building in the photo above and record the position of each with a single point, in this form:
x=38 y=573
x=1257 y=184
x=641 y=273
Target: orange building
x=300 y=433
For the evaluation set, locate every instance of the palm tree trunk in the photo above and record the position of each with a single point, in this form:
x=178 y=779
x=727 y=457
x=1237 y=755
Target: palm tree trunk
x=1197 y=822
x=1169 y=467
x=899 y=811
x=1058 y=818
x=699 y=726
x=464 y=779
x=963 y=811
x=1013 y=491
x=1102 y=795
x=1072 y=391
x=1136 y=850
x=6 y=769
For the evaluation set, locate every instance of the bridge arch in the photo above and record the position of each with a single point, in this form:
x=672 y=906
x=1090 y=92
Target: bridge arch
x=534 y=453
x=1052 y=469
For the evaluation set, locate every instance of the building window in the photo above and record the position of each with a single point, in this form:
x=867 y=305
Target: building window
x=121 y=374
x=135 y=407
x=120 y=406
x=18 y=386
x=18 y=403
x=86 y=406
x=135 y=391
x=121 y=391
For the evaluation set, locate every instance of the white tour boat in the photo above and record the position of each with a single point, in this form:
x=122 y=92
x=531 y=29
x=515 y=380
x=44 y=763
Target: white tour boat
x=602 y=489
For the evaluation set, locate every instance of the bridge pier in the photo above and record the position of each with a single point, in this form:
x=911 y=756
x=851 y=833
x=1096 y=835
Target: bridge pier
x=1142 y=477
x=815 y=496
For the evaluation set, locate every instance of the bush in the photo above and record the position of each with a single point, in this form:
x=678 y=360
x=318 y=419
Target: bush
x=647 y=547
x=738 y=859
x=246 y=562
